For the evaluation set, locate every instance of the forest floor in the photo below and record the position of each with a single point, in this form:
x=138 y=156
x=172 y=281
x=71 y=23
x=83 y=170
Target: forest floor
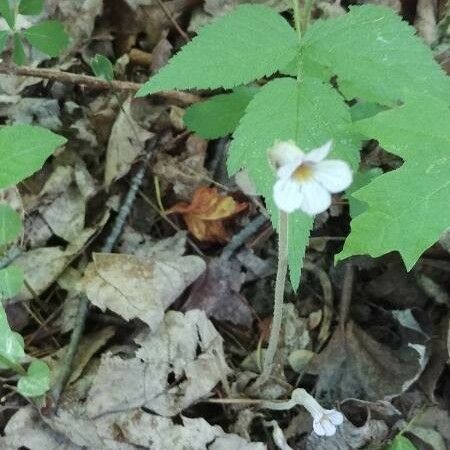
x=180 y=310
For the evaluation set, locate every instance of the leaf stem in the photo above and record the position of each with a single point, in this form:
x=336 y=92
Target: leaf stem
x=297 y=19
x=278 y=299
x=12 y=365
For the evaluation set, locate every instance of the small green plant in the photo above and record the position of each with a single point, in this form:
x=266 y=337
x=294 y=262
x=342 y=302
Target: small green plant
x=23 y=151
x=308 y=76
x=48 y=36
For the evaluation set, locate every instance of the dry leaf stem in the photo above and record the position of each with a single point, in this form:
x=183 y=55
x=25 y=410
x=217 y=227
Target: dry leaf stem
x=278 y=300
x=83 y=305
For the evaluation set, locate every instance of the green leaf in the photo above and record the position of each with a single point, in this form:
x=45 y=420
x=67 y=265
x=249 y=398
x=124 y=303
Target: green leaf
x=375 y=55
x=10 y=224
x=102 y=67
x=11 y=343
x=310 y=113
x=3 y=39
x=364 y=110
x=37 y=380
x=31 y=7
x=249 y=43
x=11 y=281
x=8 y=14
x=49 y=37
x=400 y=442
x=408 y=208
x=19 y=50
x=23 y=150
x=219 y=115
x=360 y=180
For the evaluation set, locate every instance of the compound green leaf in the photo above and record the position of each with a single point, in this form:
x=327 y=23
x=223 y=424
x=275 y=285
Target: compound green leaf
x=31 y=7
x=10 y=224
x=251 y=42
x=375 y=55
x=219 y=115
x=102 y=67
x=37 y=380
x=408 y=208
x=310 y=113
x=19 y=50
x=49 y=37
x=11 y=281
x=8 y=14
x=23 y=150
x=400 y=442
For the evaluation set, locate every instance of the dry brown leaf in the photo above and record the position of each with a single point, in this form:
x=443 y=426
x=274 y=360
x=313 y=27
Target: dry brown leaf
x=206 y=213
x=354 y=364
x=136 y=287
x=126 y=142
x=186 y=172
x=174 y=367
x=217 y=293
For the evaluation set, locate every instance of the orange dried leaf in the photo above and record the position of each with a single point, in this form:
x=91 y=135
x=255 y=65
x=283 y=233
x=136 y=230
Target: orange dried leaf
x=205 y=214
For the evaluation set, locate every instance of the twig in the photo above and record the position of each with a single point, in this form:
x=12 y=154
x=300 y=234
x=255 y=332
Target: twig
x=92 y=82
x=239 y=238
x=172 y=20
x=83 y=305
x=278 y=300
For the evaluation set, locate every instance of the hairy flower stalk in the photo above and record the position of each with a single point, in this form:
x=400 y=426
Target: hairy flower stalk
x=305 y=182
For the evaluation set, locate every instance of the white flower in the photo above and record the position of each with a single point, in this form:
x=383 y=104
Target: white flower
x=325 y=421
x=306 y=180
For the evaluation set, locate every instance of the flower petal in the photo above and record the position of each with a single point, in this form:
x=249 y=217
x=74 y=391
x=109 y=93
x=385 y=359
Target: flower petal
x=287 y=195
x=285 y=152
x=335 y=417
x=328 y=427
x=319 y=154
x=333 y=174
x=318 y=428
x=316 y=198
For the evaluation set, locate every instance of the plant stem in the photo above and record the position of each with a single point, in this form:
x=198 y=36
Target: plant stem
x=278 y=300
x=307 y=14
x=297 y=19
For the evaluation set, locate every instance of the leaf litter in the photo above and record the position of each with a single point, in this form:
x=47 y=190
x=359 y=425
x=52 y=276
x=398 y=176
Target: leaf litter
x=175 y=329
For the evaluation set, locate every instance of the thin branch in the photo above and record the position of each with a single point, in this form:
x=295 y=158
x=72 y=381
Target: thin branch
x=240 y=238
x=92 y=82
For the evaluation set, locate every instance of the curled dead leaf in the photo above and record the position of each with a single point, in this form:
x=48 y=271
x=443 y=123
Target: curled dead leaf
x=206 y=213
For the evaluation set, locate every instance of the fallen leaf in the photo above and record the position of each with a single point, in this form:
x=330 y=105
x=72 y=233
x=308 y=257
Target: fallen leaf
x=42 y=266
x=71 y=430
x=25 y=429
x=186 y=172
x=125 y=144
x=173 y=368
x=64 y=198
x=217 y=292
x=205 y=214
x=354 y=364
x=139 y=287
